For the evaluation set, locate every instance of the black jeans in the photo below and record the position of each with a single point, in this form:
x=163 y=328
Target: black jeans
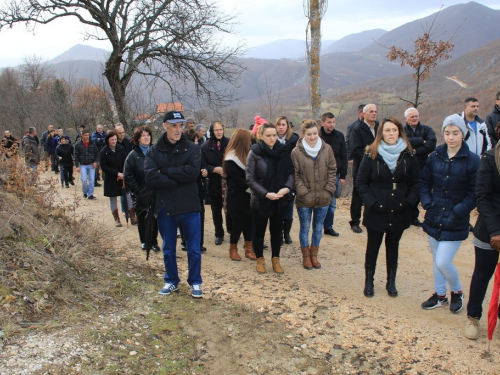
x=356 y=201
x=391 y=246
x=141 y=215
x=275 y=230
x=484 y=268
x=216 y=205
x=240 y=224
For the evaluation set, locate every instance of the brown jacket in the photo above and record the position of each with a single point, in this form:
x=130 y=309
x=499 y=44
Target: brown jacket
x=314 y=180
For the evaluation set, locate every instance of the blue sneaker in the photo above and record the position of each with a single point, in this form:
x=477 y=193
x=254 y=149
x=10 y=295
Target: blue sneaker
x=196 y=291
x=168 y=288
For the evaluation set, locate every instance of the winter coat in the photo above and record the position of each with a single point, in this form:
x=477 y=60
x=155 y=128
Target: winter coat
x=86 y=155
x=314 y=179
x=31 y=152
x=479 y=143
x=337 y=142
x=491 y=122
x=66 y=152
x=361 y=136
x=99 y=139
x=423 y=140
x=388 y=196
x=172 y=170
x=135 y=181
x=351 y=126
x=487 y=198
x=447 y=193
x=291 y=143
x=256 y=170
x=213 y=158
x=238 y=193
x=51 y=145
x=127 y=144
x=112 y=163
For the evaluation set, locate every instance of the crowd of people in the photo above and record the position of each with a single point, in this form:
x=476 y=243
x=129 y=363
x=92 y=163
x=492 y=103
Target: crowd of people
x=254 y=179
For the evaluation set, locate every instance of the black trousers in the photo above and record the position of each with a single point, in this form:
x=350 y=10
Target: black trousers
x=356 y=201
x=391 y=246
x=275 y=230
x=141 y=215
x=216 y=205
x=241 y=224
x=484 y=268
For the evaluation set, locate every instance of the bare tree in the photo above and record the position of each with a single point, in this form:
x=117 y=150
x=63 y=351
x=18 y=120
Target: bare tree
x=270 y=100
x=34 y=72
x=314 y=11
x=176 y=41
x=427 y=54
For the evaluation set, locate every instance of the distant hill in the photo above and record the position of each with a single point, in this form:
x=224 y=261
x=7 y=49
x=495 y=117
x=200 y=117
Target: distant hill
x=476 y=24
x=354 y=42
x=283 y=49
x=81 y=52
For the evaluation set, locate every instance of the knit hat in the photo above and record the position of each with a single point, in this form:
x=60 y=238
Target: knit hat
x=456 y=120
x=258 y=122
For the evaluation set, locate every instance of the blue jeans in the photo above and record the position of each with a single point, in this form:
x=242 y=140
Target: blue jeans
x=87 y=172
x=443 y=253
x=328 y=224
x=318 y=215
x=167 y=226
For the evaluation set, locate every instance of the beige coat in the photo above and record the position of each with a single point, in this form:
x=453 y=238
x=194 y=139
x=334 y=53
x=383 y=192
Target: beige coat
x=314 y=180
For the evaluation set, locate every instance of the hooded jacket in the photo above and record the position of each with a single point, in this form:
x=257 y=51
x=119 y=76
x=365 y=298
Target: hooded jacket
x=314 y=179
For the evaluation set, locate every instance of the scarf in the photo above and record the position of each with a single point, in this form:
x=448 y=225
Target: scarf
x=312 y=151
x=390 y=153
x=279 y=167
x=282 y=140
x=144 y=149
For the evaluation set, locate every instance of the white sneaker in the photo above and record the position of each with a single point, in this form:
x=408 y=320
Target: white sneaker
x=472 y=328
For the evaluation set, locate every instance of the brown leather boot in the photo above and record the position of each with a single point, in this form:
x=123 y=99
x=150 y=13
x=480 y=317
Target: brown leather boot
x=116 y=216
x=306 y=258
x=233 y=252
x=133 y=218
x=261 y=265
x=276 y=265
x=314 y=257
x=249 y=250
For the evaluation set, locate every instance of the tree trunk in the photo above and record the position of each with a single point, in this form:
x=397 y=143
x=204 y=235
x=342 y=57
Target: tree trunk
x=118 y=88
x=313 y=55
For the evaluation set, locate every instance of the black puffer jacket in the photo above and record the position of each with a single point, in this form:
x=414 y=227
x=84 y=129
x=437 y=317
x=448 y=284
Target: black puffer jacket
x=423 y=140
x=492 y=121
x=487 y=198
x=66 y=153
x=388 y=196
x=238 y=193
x=212 y=158
x=172 y=170
x=112 y=163
x=135 y=180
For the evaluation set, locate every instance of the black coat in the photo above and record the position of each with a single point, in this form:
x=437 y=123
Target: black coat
x=66 y=152
x=238 y=195
x=447 y=193
x=127 y=144
x=491 y=122
x=172 y=170
x=337 y=142
x=112 y=163
x=213 y=158
x=423 y=140
x=135 y=180
x=388 y=206
x=487 y=198
x=351 y=126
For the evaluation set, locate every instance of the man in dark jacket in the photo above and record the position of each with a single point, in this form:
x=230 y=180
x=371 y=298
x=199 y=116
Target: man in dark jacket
x=43 y=142
x=492 y=121
x=172 y=167
x=86 y=159
x=423 y=140
x=98 y=138
x=10 y=145
x=336 y=141
x=362 y=135
x=351 y=126
x=30 y=146
x=123 y=139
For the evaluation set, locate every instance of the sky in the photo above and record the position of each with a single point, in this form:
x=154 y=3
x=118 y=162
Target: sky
x=257 y=22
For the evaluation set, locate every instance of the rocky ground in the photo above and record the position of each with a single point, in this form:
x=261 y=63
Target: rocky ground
x=310 y=322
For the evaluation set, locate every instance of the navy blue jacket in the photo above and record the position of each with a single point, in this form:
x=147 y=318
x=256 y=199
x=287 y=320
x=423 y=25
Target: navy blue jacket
x=447 y=193
x=172 y=170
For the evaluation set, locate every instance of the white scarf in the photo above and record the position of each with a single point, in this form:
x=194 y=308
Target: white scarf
x=312 y=151
x=282 y=140
x=231 y=155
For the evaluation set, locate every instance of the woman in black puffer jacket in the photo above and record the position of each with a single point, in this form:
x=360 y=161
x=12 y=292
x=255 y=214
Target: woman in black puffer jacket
x=387 y=181
x=134 y=180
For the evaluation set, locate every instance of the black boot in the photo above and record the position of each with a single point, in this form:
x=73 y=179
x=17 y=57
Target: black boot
x=391 y=280
x=287 y=225
x=369 y=273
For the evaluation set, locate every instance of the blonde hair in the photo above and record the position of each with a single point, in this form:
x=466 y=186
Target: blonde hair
x=308 y=124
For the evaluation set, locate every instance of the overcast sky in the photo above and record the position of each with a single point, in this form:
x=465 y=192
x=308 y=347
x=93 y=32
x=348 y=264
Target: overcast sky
x=259 y=22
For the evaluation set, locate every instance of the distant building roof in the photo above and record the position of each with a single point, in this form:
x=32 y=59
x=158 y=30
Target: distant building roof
x=167 y=107
x=145 y=117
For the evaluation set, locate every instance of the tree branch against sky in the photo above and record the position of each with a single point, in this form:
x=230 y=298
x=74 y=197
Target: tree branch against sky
x=176 y=41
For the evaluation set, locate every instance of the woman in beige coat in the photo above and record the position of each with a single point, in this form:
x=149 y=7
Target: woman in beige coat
x=315 y=173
